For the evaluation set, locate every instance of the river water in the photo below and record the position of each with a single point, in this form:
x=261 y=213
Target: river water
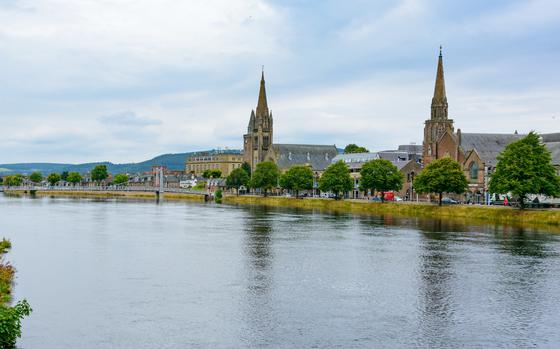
x=127 y=274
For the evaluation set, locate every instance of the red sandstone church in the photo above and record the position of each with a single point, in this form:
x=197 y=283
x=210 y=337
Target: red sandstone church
x=476 y=152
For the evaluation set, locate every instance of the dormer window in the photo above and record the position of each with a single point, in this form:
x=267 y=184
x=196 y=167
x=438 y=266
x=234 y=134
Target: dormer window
x=327 y=156
x=290 y=156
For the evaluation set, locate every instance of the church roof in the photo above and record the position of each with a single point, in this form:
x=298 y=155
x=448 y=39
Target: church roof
x=554 y=148
x=318 y=156
x=487 y=145
x=550 y=137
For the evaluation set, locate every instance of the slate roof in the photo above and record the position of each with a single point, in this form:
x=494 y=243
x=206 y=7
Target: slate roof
x=554 y=148
x=550 y=137
x=318 y=156
x=356 y=160
x=487 y=145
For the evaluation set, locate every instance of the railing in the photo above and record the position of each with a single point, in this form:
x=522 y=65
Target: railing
x=106 y=188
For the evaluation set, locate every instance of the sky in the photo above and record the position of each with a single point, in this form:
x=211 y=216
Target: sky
x=126 y=80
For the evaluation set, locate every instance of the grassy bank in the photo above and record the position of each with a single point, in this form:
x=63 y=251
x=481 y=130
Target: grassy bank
x=110 y=194
x=483 y=214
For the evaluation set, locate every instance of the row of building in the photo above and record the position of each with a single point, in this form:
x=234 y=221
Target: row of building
x=476 y=152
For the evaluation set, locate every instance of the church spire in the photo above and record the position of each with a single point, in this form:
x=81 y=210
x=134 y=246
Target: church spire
x=439 y=102
x=262 y=106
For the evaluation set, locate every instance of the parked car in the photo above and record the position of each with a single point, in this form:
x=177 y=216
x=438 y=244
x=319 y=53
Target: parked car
x=449 y=201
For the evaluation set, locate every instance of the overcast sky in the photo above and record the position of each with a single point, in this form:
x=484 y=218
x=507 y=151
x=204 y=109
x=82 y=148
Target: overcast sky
x=125 y=80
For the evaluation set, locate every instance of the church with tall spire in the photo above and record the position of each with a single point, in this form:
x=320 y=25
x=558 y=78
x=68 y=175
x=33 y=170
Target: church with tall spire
x=258 y=143
x=258 y=139
x=477 y=153
x=439 y=122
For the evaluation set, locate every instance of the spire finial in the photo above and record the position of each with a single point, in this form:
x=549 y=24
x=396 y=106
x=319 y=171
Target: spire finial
x=440 y=50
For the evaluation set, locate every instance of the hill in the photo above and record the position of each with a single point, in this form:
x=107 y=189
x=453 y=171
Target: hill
x=172 y=161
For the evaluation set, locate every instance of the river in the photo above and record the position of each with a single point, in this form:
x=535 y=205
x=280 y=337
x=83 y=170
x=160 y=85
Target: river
x=103 y=273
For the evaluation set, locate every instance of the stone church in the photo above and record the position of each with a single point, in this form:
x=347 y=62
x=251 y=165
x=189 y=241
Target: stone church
x=476 y=152
x=258 y=143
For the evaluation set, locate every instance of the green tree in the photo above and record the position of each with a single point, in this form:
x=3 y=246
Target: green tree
x=336 y=179
x=297 y=178
x=237 y=178
x=121 y=178
x=53 y=178
x=99 y=173
x=353 y=148
x=212 y=173
x=525 y=167
x=74 y=178
x=13 y=180
x=265 y=176
x=247 y=168
x=380 y=175
x=36 y=177
x=441 y=176
x=64 y=176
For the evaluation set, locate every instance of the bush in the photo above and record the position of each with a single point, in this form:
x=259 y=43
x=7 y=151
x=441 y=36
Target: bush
x=218 y=196
x=10 y=323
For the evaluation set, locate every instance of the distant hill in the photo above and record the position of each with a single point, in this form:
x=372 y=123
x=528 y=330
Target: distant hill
x=172 y=161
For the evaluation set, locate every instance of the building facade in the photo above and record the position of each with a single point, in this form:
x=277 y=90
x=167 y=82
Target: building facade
x=225 y=162
x=258 y=139
x=258 y=143
x=476 y=152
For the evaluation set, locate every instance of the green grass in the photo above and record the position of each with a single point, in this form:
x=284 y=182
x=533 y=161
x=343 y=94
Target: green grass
x=481 y=214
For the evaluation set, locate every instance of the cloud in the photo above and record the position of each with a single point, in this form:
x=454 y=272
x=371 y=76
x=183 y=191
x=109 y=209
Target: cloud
x=125 y=80
x=128 y=119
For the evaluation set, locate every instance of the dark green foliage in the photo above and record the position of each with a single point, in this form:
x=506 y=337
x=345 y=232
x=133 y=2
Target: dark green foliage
x=215 y=173
x=10 y=317
x=10 y=323
x=380 y=175
x=237 y=178
x=64 y=175
x=297 y=178
x=525 y=167
x=247 y=168
x=74 y=177
x=218 y=196
x=53 y=178
x=120 y=179
x=5 y=245
x=13 y=180
x=99 y=173
x=336 y=179
x=265 y=176
x=441 y=176
x=353 y=148
x=36 y=177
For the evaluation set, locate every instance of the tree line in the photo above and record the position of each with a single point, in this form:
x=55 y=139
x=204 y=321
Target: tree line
x=98 y=174
x=523 y=168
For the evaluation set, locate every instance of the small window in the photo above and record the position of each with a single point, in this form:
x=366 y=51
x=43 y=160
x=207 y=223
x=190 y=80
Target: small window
x=473 y=170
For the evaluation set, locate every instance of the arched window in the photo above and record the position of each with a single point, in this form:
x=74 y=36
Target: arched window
x=473 y=169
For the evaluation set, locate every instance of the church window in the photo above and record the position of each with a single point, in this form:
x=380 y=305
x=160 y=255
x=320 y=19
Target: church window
x=473 y=170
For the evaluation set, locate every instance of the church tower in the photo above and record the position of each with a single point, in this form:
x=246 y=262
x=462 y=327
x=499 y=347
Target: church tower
x=439 y=123
x=258 y=139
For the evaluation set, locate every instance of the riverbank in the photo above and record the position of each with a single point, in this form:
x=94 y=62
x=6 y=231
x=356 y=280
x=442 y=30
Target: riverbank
x=108 y=194
x=483 y=214
x=465 y=213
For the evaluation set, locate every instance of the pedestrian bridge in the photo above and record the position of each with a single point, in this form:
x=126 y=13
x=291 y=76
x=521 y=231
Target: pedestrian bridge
x=111 y=188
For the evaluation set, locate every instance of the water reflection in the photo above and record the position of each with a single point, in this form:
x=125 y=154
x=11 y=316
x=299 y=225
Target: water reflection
x=258 y=311
x=436 y=298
